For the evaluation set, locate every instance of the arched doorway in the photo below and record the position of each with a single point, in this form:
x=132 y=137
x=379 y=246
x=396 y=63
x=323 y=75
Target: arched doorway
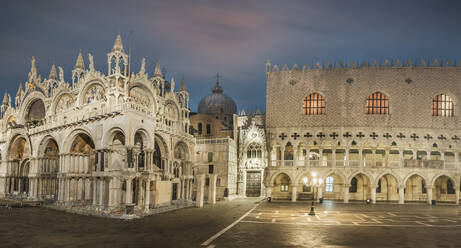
x=415 y=189
x=333 y=187
x=387 y=188
x=83 y=159
x=444 y=189
x=282 y=187
x=360 y=189
x=49 y=168
x=18 y=168
x=24 y=178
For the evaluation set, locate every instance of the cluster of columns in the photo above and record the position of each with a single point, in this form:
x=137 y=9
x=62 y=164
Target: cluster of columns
x=199 y=201
x=74 y=189
x=143 y=191
x=74 y=163
x=401 y=191
x=360 y=161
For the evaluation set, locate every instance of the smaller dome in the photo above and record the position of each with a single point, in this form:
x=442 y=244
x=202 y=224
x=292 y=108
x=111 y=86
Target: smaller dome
x=217 y=103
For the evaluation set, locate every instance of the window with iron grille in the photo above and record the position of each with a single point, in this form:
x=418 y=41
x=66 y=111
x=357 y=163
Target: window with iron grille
x=377 y=104
x=314 y=104
x=442 y=105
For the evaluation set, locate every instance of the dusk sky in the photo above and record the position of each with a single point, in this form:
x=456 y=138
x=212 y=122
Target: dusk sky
x=234 y=38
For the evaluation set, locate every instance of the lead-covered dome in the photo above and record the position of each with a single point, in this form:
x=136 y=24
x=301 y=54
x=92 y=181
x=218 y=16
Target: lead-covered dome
x=218 y=104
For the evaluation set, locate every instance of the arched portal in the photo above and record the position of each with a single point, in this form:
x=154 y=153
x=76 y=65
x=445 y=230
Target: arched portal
x=387 y=188
x=282 y=187
x=333 y=187
x=360 y=189
x=83 y=159
x=48 y=163
x=17 y=180
x=415 y=189
x=444 y=189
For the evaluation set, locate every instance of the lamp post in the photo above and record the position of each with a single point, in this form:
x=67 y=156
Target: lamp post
x=313 y=183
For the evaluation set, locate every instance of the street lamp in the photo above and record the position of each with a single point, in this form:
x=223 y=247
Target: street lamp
x=313 y=183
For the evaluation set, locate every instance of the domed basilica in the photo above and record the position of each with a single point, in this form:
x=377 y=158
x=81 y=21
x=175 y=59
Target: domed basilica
x=126 y=142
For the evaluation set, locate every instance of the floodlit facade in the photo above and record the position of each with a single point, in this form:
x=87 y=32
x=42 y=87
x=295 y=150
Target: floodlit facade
x=102 y=141
x=384 y=132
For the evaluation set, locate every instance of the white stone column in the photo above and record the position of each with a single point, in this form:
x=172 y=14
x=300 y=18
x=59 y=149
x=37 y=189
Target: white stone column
x=212 y=189
x=373 y=194
x=147 y=200
x=429 y=195
x=95 y=191
x=346 y=193
x=457 y=196
x=295 y=155
x=128 y=189
x=200 y=190
x=346 y=163
x=360 y=160
x=293 y=192
x=401 y=194
x=101 y=192
x=319 y=192
x=386 y=158
x=269 y=191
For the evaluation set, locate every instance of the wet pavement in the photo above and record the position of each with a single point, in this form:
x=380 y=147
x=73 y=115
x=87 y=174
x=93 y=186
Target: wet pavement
x=346 y=225
x=241 y=223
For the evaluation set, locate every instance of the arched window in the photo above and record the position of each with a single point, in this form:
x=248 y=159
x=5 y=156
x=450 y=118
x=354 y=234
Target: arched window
x=314 y=104
x=378 y=189
x=377 y=104
x=353 y=188
x=199 y=127
x=442 y=105
x=450 y=188
x=329 y=184
x=254 y=151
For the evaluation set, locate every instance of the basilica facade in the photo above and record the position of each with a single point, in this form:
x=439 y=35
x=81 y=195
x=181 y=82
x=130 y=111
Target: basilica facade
x=370 y=131
x=102 y=141
x=107 y=141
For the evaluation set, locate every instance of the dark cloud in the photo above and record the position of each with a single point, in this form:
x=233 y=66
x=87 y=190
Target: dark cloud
x=200 y=38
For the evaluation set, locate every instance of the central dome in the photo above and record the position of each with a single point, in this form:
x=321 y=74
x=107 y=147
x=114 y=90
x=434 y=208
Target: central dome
x=217 y=104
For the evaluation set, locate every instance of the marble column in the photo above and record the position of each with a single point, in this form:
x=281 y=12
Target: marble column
x=346 y=193
x=319 y=193
x=293 y=192
x=429 y=195
x=147 y=200
x=457 y=196
x=128 y=190
x=401 y=194
x=95 y=191
x=269 y=191
x=200 y=190
x=373 y=194
x=212 y=189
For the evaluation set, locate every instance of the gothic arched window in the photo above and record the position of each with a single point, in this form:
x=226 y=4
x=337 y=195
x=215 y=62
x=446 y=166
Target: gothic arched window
x=450 y=187
x=353 y=188
x=254 y=151
x=442 y=105
x=314 y=104
x=329 y=184
x=377 y=104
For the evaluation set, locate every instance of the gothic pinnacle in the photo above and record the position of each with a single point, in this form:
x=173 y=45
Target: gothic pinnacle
x=118 y=45
x=53 y=73
x=79 y=64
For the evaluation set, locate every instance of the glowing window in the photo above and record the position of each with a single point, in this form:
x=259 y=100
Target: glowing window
x=442 y=105
x=377 y=104
x=314 y=104
x=329 y=184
